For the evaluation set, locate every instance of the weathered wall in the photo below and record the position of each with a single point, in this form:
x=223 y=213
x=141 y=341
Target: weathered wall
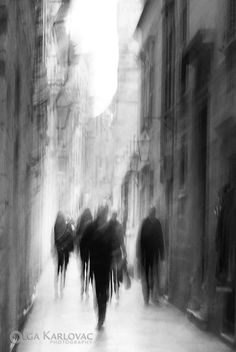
x=125 y=125
x=193 y=270
x=201 y=133
x=127 y=96
x=152 y=28
x=25 y=174
x=69 y=85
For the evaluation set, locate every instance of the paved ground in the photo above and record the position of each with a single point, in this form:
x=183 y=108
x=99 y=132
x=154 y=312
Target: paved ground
x=129 y=326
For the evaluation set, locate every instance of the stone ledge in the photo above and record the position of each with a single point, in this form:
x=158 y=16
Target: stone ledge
x=197 y=319
x=228 y=338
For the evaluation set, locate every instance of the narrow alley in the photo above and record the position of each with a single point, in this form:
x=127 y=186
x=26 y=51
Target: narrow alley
x=130 y=326
x=117 y=175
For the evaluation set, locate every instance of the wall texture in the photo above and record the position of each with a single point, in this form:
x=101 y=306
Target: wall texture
x=26 y=168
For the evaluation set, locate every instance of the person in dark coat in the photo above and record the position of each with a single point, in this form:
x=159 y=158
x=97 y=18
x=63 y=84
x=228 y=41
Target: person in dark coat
x=150 y=249
x=69 y=236
x=81 y=248
x=85 y=244
x=63 y=245
x=99 y=243
x=119 y=263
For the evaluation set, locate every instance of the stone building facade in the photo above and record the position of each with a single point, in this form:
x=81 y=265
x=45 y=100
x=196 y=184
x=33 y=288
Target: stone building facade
x=125 y=123
x=26 y=172
x=149 y=35
x=196 y=139
x=97 y=170
x=69 y=85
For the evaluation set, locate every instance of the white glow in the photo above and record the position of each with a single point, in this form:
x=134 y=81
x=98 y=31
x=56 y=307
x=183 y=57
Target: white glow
x=92 y=25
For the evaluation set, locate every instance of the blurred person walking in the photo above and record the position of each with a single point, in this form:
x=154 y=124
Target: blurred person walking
x=82 y=249
x=119 y=259
x=98 y=241
x=149 y=250
x=63 y=245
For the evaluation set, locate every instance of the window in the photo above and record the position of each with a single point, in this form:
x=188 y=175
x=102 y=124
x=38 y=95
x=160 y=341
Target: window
x=231 y=20
x=148 y=72
x=183 y=84
x=184 y=75
x=151 y=79
x=184 y=21
x=169 y=55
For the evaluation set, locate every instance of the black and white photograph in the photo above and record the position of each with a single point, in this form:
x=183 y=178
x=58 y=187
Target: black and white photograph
x=117 y=175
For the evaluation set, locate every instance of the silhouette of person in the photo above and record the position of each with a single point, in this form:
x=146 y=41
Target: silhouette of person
x=83 y=222
x=149 y=249
x=99 y=244
x=119 y=263
x=63 y=245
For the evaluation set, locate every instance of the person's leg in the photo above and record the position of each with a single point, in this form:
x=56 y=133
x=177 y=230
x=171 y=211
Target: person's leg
x=63 y=274
x=98 y=287
x=104 y=300
x=87 y=279
x=82 y=277
x=115 y=281
x=66 y=260
x=102 y=288
x=58 y=275
x=119 y=273
x=60 y=262
x=151 y=278
x=102 y=306
x=156 y=290
x=145 y=282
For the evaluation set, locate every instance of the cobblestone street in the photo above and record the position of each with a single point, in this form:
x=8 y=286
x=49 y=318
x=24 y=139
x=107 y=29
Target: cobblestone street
x=129 y=326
